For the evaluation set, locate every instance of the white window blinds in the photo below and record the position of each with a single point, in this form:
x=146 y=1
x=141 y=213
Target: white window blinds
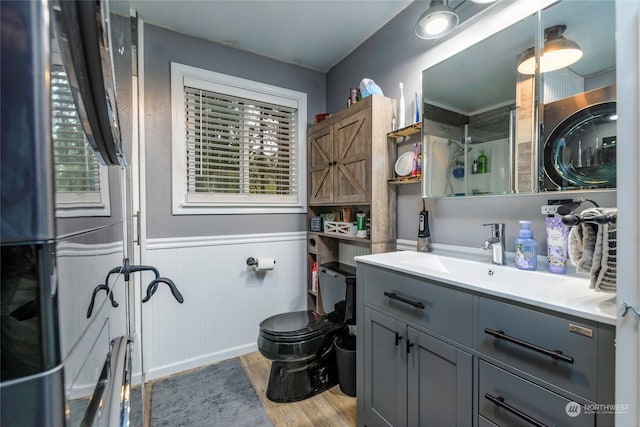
x=76 y=168
x=237 y=146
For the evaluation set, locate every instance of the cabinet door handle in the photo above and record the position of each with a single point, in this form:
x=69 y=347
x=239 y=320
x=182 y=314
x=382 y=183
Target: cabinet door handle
x=398 y=338
x=557 y=354
x=409 y=345
x=499 y=401
x=416 y=304
x=334 y=163
x=329 y=164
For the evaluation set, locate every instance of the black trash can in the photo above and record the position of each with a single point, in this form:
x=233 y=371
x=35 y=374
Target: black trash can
x=346 y=360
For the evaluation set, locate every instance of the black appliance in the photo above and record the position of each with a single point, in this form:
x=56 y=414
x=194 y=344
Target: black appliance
x=33 y=386
x=579 y=149
x=87 y=43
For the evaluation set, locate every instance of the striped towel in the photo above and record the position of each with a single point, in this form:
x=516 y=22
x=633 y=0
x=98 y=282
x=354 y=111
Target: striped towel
x=592 y=249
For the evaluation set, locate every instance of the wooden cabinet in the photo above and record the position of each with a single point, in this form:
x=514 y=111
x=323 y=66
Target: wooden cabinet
x=340 y=160
x=348 y=167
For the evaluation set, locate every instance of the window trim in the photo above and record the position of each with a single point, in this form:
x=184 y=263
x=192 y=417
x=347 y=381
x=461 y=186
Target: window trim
x=81 y=204
x=217 y=82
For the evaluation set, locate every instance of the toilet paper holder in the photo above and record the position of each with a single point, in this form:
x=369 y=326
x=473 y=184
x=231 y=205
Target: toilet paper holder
x=255 y=263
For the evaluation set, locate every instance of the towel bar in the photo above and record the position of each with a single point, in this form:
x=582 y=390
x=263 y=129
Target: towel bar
x=626 y=307
x=572 y=219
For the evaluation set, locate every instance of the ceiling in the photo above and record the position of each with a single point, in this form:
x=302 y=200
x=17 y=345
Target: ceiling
x=315 y=34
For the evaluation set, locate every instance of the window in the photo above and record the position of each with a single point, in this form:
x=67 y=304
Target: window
x=81 y=183
x=238 y=145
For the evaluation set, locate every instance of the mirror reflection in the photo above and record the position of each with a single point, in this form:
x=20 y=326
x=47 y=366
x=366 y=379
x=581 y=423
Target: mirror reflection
x=481 y=108
x=93 y=296
x=578 y=112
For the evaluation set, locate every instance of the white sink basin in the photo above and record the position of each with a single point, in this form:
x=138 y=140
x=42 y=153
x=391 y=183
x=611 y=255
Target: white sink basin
x=473 y=270
x=484 y=273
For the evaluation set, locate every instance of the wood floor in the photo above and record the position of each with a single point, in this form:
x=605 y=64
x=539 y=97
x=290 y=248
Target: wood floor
x=331 y=408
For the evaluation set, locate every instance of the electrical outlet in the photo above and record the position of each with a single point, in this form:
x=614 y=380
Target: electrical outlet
x=552 y=206
x=549 y=209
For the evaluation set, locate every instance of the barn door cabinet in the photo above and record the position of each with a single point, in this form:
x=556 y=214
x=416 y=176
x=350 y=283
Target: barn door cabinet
x=348 y=167
x=348 y=156
x=431 y=354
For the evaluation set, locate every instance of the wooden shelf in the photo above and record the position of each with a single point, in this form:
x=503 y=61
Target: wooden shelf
x=404 y=180
x=406 y=131
x=341 y=237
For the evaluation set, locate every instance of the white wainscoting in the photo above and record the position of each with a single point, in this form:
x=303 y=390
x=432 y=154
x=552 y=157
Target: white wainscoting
x=224 y=300
x=84 y=342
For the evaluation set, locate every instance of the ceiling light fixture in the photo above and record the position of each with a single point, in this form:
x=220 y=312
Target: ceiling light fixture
x=482 y=1
x=436 y=21
x=559 y=52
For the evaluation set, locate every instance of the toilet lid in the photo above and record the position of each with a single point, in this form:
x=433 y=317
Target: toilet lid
x=295 y=326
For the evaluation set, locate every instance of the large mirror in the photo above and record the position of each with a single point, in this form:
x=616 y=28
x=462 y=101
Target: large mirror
x=490 y=126
x=92 y=207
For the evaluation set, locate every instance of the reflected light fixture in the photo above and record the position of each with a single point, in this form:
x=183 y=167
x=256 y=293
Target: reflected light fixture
x=559 y=52
x=436 y=21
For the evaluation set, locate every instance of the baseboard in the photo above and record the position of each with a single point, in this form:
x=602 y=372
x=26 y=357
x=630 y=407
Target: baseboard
x=198 y=362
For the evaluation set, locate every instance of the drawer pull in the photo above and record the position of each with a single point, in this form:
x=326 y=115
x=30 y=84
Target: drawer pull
x=557 y=354
x=398 y=338
x=499 y=401
x=409 y=345
x=416 y=304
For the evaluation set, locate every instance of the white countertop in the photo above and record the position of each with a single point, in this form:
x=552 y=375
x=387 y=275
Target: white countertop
x=471 y=269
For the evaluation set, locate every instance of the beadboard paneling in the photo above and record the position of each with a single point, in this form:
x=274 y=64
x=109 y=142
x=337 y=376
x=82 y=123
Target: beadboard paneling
x=224 y=300
x=84 y=343
x=348 y=251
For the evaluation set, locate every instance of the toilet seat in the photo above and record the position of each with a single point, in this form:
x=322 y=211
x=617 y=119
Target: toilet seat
x=295 y=326
x=297 y=336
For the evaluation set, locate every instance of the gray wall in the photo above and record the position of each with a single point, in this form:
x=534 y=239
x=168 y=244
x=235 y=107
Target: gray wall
x=394 y=54
x=161 y=47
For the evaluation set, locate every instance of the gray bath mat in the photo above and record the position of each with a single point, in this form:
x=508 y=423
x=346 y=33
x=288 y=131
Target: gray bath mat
x=218 y=395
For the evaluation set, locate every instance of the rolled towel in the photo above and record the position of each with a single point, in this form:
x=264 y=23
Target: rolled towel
x=582 y=246
x=592 y=249
x=606 y=277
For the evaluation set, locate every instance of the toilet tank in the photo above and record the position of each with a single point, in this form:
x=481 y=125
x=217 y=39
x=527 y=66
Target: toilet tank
x=337 y=283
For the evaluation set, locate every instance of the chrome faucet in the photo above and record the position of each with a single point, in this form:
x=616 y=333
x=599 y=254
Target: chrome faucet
x=496 y=243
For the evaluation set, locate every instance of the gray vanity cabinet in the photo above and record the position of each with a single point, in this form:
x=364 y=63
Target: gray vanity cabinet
x=439 y=383
x=430 y=354
x=385 y=366
x=557 y=361
x=412 y=378
x=407 y=376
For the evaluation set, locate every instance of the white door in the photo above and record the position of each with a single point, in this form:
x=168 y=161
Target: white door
x=628 y=327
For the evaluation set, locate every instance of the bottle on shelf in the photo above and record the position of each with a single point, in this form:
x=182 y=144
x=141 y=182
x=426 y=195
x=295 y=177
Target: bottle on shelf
x=314 y=277
x=482 y=162
x=401 y=116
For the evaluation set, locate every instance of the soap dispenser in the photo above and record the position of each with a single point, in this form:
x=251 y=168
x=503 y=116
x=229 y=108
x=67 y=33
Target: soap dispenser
x=526 y=248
